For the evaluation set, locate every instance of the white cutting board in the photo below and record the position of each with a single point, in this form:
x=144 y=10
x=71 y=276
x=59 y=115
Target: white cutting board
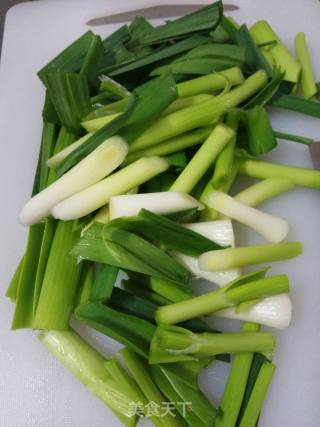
x=35 y=390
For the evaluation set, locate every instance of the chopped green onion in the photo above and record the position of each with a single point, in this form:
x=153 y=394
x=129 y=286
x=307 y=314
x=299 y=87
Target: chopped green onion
x=88 y=366
x=264 y=190
x=236 y=384
x=293 y=103
x=69 y=94
x=198 y=410
x=60 y=284
x=139 y=371
x=236 y=292
x=123 y=249
x=199 y=115
x=103 y=284
x=71 y=58
x=187 y=101
x=308 y=84
x=171 y=235
x=95 y=124
x=57 y=158
x=129 y=330
x=240 y=257
x=203 y=159
x=91 y=62
x=211 y=82
x=100 y=163
x=128 y=205
x=251 y=414
x=206 y=18
x=174 y=344
x=263 y=170
x=13 y=287
x=261 y=33
x=139 y=65
x=177 y=143
x=224 y=163
x=99 y=194
x=295 y=138
x=275 y=311
x=272 y=228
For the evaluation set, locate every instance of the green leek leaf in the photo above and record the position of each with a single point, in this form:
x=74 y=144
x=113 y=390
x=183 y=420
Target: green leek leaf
x=71 y=58
x=205 y=19
x=69 y=94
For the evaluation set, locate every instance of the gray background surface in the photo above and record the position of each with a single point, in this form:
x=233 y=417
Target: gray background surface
x=4 y=6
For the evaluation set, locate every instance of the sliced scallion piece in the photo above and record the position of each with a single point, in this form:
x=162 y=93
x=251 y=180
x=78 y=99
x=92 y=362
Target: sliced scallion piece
x=245 y=288
x=264 y=190
x=250 y=255
x=308 y=83
x=175 y=344
x=203 y=159
x=99 y=194
x=88 y=366
x=263 y=170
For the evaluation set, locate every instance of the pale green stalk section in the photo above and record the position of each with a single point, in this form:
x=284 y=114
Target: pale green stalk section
x=203 y=159
x=262 y=32
x=13 y=287
x=60 y=282
x=264 y=190
x=225 y=171
x=199 y=115
x=88 y=366
x=96 y=124
x=308 y=83
x=211 y=82
x=236 y=385
x=225 y=259
x=55 y=160
x=178 y=143
x=188 y=101
x=149 y=389
x=263 y=170
x=259 y=392
x=120 y=182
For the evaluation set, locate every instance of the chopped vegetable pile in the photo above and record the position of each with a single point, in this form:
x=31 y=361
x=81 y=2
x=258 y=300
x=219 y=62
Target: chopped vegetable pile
x=144 y=134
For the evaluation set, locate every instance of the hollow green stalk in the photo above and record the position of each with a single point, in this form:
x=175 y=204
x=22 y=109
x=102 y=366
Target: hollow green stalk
x=178 y=143
x=139 y=371
x=264 y=190
x=88 y=366
x=211 y=82
x=172 y=343
x=225 y=259
x=260 y=388
x=226 y=297
x=294 y=138
x=186 y=102
x=199 y=115
x=236 y=384
x=262 y=32
x=60 y=282
x=203 y=159
x=308 y=83
x=263 y=170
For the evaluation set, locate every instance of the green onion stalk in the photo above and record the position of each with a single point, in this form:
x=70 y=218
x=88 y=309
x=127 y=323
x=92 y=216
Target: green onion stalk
x=231 y=295
x=173 y=343
x=264 y=190
x=263 y=170
x=88 y=366
x=225 y=259
x=200 y=115
x=203 y=159
x=232 y=398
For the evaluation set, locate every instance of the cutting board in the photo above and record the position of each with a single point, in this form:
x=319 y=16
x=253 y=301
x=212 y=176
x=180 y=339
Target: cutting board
x=35 y=390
